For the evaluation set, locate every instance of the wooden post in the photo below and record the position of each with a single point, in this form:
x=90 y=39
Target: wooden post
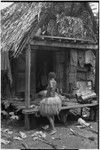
x=33 y=73
x=27 y=122
x=27 y=84
x=27 y=77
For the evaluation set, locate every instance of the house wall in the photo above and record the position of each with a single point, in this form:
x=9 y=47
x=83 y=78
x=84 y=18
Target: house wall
x=33 y=74
x=19 y=74
x=73 y=70
x=80 y=70
x=67 y=64
x=60 y=59
x=62 y=70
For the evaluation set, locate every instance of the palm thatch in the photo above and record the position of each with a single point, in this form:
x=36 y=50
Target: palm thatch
x=16 y=21
x=21 y=19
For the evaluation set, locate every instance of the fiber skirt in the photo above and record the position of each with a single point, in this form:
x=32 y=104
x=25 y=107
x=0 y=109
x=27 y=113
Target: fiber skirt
x=50 y=106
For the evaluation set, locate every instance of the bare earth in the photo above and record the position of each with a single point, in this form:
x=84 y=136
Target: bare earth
x=66 y=139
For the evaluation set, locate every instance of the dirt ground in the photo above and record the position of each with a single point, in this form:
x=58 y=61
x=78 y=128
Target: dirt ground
x=66 y=140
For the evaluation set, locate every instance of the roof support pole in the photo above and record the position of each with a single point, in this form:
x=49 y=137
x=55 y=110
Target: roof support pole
x=27 y=84
x=27 y=76
x=33 y=74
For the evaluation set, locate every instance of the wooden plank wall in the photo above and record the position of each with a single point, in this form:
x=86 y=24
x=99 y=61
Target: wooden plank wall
x=62 y=70
x=20 y=74
x=59 y=69
x=72 y=71
x=67 y=65
x=33 y=74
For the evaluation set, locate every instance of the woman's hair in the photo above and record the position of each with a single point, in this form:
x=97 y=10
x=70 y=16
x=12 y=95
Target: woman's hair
x=52 y=75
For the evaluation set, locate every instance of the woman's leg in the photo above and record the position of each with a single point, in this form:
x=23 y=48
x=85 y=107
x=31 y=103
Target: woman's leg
x=52 y=124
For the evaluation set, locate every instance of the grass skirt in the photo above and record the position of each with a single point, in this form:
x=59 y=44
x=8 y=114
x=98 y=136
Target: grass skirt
x=50 y=106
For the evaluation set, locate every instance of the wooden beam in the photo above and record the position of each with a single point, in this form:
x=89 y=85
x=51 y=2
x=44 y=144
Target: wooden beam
x=63 y=45
x=27 y=77
x=64 y=38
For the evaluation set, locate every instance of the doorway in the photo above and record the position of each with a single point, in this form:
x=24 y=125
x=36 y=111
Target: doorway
x=44 y=65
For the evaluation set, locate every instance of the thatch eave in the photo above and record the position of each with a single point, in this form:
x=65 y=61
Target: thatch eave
x=16 y=24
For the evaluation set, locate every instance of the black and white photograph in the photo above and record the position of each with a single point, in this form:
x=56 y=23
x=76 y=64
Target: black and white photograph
x=49 y=74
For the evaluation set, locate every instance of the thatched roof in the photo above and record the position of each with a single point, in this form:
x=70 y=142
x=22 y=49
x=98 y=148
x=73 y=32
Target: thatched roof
x=20 y=19
x=16 y=20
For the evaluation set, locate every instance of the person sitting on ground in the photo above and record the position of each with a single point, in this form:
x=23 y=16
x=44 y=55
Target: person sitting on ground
x=51 y=104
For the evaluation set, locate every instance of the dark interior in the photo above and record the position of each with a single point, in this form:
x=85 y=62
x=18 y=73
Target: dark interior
x=44 y=65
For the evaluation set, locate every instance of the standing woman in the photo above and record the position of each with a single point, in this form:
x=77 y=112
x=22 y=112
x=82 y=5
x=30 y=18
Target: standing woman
x=51 y=105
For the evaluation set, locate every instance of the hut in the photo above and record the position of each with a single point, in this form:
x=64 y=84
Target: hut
x=50 y=36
